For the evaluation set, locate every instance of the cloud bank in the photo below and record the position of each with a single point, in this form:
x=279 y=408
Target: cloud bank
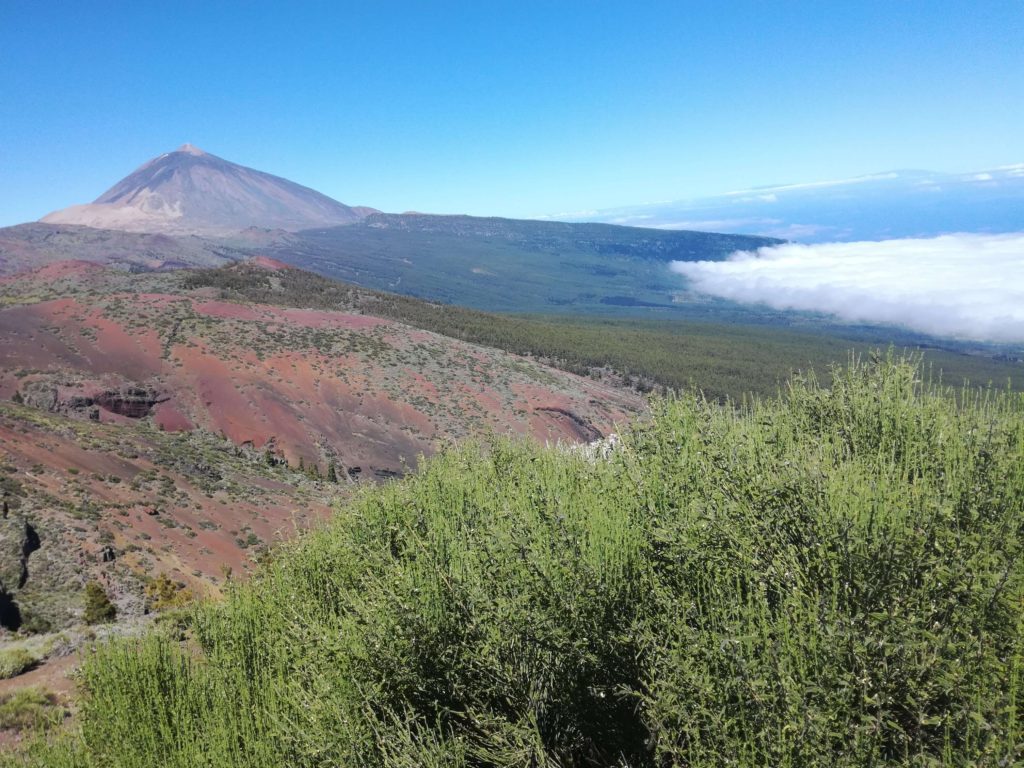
x=963 y=286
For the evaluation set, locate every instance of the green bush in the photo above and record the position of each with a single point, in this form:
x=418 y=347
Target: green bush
x=98 y=608
x=164 y=594
x=34 y=623
x=15 y=661
x=29 y=709
x=834 y=578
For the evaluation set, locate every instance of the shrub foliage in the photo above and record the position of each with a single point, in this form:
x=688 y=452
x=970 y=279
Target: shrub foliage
x=15 y=661
x=98 y=608
x=831 y=578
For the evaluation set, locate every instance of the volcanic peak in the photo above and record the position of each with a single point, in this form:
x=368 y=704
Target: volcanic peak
x=190 y=191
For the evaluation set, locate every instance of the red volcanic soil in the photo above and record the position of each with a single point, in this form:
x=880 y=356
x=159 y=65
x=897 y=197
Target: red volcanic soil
x=228 y=311
x=200 y=526
x=119 y=504
x=60 y=269
x=169 y=418
x=64 y=334
x=316 y=385
x=265 y=262
x=164 y=424
x=167 y=429
x=307 y=318
x=162 y=430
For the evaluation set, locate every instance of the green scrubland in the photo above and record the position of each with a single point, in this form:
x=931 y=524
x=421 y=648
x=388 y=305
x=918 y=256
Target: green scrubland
x=831 y=577
x=727 y=358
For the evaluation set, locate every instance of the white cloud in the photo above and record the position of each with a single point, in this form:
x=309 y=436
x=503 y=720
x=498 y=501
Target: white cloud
x=771 y=197
x=798 y=231
x=565 y=215
x=964 y=285
x=716 y=225
x=816 y=184
x=630 y=221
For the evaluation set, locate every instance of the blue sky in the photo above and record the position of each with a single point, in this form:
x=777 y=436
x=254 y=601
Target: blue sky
x=514 y=109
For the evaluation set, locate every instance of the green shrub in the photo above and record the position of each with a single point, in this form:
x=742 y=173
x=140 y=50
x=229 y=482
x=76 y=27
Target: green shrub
x=163 y=594
x=833 y=578
x=15 y=661
x=98 y=608
x=29 y=709
x=34 y=623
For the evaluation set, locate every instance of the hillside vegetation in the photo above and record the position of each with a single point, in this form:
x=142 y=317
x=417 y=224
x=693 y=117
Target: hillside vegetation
x=831 y=578
x=724 y=359
x=508 y=265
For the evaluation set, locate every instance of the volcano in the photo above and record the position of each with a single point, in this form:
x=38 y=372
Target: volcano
x=190 y=191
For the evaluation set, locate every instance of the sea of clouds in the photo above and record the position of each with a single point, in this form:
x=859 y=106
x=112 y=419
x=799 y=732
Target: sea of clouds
x=967 y=286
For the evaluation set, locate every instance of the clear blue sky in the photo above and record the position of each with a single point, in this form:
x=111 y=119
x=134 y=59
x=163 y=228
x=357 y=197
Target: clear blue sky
x=505 y=108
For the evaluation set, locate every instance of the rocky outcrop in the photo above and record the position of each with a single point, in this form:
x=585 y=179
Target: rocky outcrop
x=18 y=540
x=133 y=402
x=41 y=395
x=576 y=425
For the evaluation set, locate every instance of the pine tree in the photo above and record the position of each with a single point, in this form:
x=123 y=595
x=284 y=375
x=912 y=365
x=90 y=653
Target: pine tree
x=98 y=608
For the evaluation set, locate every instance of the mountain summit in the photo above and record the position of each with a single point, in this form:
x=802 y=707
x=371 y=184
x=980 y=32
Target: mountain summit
x=190 y=191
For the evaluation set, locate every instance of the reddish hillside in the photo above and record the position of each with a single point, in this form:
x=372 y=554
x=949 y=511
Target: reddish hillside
x=157 y=429
x=313 y=385
x=120 y=502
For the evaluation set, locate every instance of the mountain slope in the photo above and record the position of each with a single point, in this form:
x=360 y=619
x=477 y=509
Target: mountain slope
x=191 y=191
x=311 y=386
x=507 y=264
x=831 y=577
x=29 y=246
x=488 y=263
x=724 y=359
x=176 y=428
x=123 y=501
